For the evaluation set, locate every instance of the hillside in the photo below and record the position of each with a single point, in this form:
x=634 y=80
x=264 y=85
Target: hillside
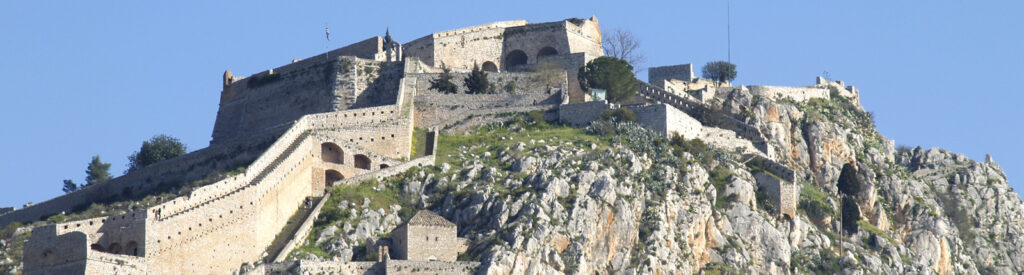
x=616 y=198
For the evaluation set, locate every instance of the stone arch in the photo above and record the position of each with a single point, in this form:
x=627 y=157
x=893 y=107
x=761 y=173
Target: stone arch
x=331 y=176
x=489 y=66
x=330 y=152
x=515 y=58
x=114 y=248
x=132 y=248
x=384 y=166
x=362 y=162
x=546 y=51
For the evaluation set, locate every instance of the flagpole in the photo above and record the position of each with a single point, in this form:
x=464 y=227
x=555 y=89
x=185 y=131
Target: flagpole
x=327 y=43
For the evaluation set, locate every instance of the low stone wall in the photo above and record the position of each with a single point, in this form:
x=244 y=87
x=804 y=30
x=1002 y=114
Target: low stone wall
x=399 y=267
x=106 y=263
x=303 y=231
x=318 y=267
x=581 y=114
x=391 y=171
x=798 y=94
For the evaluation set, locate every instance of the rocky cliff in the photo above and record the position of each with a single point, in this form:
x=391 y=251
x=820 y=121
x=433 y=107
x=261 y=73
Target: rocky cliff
x=615 y=198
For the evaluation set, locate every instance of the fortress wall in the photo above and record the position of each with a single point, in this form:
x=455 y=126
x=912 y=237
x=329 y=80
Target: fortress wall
x=193 y=166
x=401 y=267
x=532 y=38
x=581 y=114
x=657 y=75
x=463 y=49
x=240 y=225
x=435 y=109
x=393 y=170
x=319 y=267
x=422 y=49
x=667 y=120
x=272 y=98
x=585 y=36
x=268 y=99
x=57 y=253
x=798 y=94
x=106 y=263
x=126 y=231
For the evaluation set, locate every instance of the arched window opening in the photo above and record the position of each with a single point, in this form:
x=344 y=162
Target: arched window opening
x=384 y=166
x=489 y=66
x=330 y=152
x=546 y=51
x=362 y=162
x=332 y=176
x=515 y=58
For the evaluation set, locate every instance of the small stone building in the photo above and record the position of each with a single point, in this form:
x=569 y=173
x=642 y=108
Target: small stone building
x=426 y=237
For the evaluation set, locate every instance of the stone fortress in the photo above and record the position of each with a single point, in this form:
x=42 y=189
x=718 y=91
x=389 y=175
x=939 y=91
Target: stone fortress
x=347 y=115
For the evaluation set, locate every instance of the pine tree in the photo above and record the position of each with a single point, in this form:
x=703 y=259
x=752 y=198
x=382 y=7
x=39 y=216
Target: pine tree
x=443 y=83
x=70 y=186
x=476 y=82
x=97 y=171
x=613 y=75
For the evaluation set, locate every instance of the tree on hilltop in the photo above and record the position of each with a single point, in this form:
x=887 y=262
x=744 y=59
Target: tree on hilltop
x=97 y=171
x=623 y=45
x=70 y=186
x=612 y=74
x=476 y=82
x=156 y=149
x=720 y=71
x=443 y=83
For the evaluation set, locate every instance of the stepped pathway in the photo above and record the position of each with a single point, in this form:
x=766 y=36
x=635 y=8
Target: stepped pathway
x=704 y=114
x=254 y=182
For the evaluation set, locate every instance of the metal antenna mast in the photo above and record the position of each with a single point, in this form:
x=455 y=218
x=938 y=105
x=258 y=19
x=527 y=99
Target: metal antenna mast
x=728 y=28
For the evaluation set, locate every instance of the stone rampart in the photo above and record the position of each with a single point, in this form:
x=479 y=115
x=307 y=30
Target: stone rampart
x=318 y=267
x=667 y=120
x=581 y=114
x=401 y=267
x=166 y=174
x=657 y=75
x=437 y=110
x=107 y=263
x=798 y=94
x=391 y=171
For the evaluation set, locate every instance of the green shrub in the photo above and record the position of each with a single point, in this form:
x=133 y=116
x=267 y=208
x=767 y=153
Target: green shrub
x=619 y=115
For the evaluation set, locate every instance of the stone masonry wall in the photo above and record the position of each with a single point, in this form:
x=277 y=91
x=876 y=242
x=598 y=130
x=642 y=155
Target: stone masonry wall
x=667 y=120
x=798 y=94
x=401 y=267
x=581 y=114
x=431 y=243
x=435 y=109
x=657 y=75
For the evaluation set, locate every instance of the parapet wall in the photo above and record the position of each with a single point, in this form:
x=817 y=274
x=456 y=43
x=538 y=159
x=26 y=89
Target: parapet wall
x=798 y=94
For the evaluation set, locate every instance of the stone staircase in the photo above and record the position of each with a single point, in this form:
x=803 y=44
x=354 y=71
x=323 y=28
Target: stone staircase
x=705 y=114
x=254 y=182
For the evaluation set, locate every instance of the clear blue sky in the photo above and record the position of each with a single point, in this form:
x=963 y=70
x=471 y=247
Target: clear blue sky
x=82 y=78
